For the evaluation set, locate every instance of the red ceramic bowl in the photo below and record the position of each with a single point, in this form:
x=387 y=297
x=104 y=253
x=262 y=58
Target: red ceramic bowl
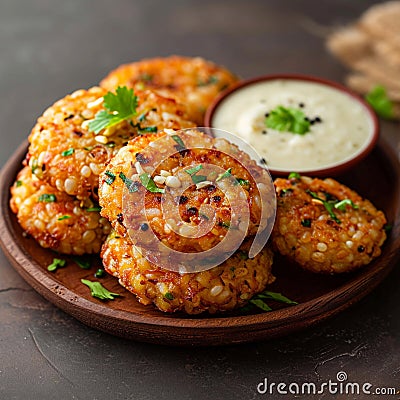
x=331 y=170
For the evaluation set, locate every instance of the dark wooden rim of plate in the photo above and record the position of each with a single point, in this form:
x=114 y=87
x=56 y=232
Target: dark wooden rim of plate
x=194 y=331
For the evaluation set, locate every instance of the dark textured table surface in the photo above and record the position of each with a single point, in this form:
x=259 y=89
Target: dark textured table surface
x=49 y=48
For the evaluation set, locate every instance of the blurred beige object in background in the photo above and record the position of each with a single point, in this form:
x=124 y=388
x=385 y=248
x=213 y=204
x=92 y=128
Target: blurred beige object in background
x=371 y=48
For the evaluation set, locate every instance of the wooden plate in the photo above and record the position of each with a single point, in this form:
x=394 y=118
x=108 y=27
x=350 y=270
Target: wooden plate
x=377 y=178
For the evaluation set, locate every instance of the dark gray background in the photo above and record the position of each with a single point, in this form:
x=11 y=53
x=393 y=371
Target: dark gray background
x=49 y=48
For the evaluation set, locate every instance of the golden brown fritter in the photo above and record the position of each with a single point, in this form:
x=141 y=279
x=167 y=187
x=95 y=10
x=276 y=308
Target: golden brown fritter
x=176 y=215
x=56 y=220
x=194 y=82
x=223 y=288
x=65 y=154
x=319 y=241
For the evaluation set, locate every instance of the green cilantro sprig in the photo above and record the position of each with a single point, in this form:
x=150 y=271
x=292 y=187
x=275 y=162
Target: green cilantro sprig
x=380 y=102
x=288 y=119
x=120 y=107
x=99 y=291
x=149 y=184
x=57 y=263
x=193 y=174
x=332 y=204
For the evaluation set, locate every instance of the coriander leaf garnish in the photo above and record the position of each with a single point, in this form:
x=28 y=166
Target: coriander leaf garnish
x=82 y=262
x=149 y=184
x=110 y=177
x=129 y=183
x=57 y=263
x=380 y=102
x=194 y=170
x=18 y=183
x=260 y=304
x=276 y=297
x=180 y=145
x=288 y=119
x=306 y=222
x=329 y=205
x=120 y=107
x=224 y=175
x=93 y=209
x=68 y=152
x=63 y=217
x=47 y=198
x=243 y=182
x=341 y=205
x=243 y=255
x=169 y=296
x=259 y=301
x=98 y=290
x=294 y=175
x=196 y=178
x=99 y=273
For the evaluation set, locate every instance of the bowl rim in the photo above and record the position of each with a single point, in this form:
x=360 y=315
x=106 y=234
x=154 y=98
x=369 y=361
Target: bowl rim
x=323 y=171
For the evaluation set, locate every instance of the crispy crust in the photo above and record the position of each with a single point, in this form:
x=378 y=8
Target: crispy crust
x=112 y=195
x=83 y=232
x=223 y=288
x=325 y=246
x=194 y=82
x=64 y=126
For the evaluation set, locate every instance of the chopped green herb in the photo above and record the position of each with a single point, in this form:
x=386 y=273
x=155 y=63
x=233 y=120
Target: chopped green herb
x=110 y=177
x=243 y=255
x=93 y=209
x=120 y=107
x=210 y=81
x=99 y=273
x=306 y=222
x=82 y=262
x=225 y=224
x=341 y=205
x=180 y=145
x=259 y=301
x=89 y=148
x=196 y=178
x=204 y=216
x=129 y=183
x=380 y=102
x=148 y=129
x=18 y=183
x=34 y=165
x=276 y=297
x=47 y=198
x=243 y=182
x=288 y=119
x=149 y=184
x=63 y=217
x=142 y=117
x=294 y=175
x=68 y=152
x=329 y=205
x=57 y=263
x=145 y=77
x=388 y=228
x=110 y=145
x=260 y=304
x=194 y=170
x=169 y=296
x=224 y=175
x=98 y=290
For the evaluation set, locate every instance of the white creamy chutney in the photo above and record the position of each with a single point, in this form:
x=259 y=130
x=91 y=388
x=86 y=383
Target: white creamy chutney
x=345 y=130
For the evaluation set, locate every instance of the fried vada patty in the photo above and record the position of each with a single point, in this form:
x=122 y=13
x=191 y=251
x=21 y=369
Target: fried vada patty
x=222 y=288
x=65 y=154
x=194 y=82
x=346 y=238
x=56 y=220
x=173 y=216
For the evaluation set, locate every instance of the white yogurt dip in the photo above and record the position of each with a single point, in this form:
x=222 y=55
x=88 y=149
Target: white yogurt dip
x=341 y=126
